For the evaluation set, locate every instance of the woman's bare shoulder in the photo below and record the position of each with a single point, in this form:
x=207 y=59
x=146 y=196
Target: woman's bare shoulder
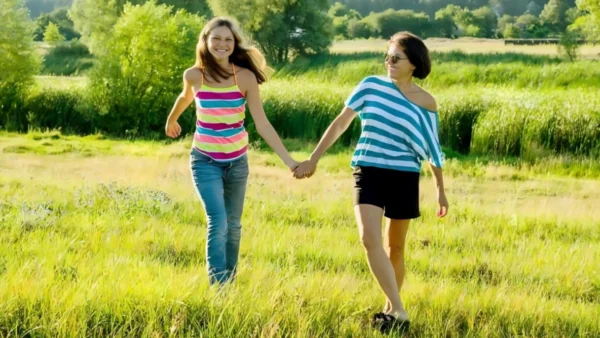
x=426 y=100
x=192 y=74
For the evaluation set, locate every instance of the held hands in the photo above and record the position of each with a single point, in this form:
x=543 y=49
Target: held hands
x=305 y=169
x=292 y=164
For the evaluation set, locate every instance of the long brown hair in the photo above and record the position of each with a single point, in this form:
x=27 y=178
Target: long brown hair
x=243 y=55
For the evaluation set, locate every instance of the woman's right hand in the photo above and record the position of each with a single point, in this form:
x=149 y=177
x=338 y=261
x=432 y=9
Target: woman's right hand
x=172 y=129
x=306 y=169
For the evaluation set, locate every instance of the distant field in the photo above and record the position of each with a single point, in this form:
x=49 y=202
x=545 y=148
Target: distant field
x=61 y=82
x=467 y=45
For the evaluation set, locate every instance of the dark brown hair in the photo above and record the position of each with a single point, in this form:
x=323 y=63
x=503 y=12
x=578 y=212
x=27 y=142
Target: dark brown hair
x=243 y=55
x=416 y=51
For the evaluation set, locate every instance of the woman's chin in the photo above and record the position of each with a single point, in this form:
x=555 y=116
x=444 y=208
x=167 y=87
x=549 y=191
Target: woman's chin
x=220 y=56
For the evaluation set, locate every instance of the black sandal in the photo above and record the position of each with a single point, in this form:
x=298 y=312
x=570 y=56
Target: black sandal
x=378 y=318
x=386 y=322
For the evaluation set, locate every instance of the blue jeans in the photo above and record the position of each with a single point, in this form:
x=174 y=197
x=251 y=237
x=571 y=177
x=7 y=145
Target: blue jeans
x=222 y=189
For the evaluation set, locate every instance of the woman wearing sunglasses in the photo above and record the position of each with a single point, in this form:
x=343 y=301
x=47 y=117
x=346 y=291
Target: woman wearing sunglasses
x=399 y=130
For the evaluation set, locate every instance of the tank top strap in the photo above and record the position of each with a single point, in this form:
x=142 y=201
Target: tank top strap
x=203 y=78
x=234 y=74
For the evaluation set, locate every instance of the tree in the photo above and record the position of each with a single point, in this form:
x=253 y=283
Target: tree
x=517 y=7
x=52 y=35
x=359 y=29
x=511 y=31
x=554 y=14
x=568 y=44
x=525 y=21
x=390 y=22
x=94 y=19
x=444 y=19
x=486 y=21
x=589 y=21
x=340 y=26
x=61 y=19
x=503 y=24
x=341 y=17
x=338 y=9
x=135 y=81
x=20 y=62
x=481 y=22
x=282 y=28
x=465 y=21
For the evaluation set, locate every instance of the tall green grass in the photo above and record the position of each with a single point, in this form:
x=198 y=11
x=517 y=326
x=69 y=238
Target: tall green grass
x=456 y=68
x=486 y=120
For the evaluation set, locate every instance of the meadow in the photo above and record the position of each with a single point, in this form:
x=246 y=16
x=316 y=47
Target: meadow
x=103 y=235
x=106 y=237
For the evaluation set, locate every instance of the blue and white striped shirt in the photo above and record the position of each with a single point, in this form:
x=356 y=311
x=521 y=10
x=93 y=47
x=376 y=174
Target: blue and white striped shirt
x=396 y=133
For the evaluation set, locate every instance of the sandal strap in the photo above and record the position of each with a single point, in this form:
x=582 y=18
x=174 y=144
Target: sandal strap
x=388 y=317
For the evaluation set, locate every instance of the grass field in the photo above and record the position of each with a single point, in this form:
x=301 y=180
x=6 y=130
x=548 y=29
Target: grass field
x=103 y=237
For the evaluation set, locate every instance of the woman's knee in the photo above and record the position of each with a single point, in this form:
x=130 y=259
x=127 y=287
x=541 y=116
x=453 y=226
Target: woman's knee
x=370 y=241
x=395 y=250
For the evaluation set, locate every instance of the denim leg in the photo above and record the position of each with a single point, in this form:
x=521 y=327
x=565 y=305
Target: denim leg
x=208 y=180
x=236 y=178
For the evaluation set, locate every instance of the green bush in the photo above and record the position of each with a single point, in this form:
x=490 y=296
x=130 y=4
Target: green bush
x=134 y=85
x=19 y=63
x=53 y=109
x=68 y=58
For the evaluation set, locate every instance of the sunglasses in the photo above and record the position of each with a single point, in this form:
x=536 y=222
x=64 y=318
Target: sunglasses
x=395 y=58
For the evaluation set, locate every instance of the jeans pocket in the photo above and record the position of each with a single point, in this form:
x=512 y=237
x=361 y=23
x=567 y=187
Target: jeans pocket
x=198 y=157
x=243 y=160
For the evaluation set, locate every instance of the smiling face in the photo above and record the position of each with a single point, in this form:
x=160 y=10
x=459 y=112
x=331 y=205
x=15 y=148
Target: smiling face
x=402 y=67
x=221 y=42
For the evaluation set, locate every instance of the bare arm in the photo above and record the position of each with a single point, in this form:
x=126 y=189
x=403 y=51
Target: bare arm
x=438 y=177
x=172 y=128
x=441 y=192
x=333 y=132
x=427 y=101
x=263 y=126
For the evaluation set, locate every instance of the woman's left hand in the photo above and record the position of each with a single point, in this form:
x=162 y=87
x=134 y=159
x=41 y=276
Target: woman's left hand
x=443 y=204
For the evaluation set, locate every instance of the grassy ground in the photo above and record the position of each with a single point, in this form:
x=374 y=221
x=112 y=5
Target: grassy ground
x=104 y=237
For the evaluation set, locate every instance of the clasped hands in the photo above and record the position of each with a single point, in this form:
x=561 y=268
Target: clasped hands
x=304 y=169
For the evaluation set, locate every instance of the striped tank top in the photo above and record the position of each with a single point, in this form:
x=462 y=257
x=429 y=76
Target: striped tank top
x=220 y=113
